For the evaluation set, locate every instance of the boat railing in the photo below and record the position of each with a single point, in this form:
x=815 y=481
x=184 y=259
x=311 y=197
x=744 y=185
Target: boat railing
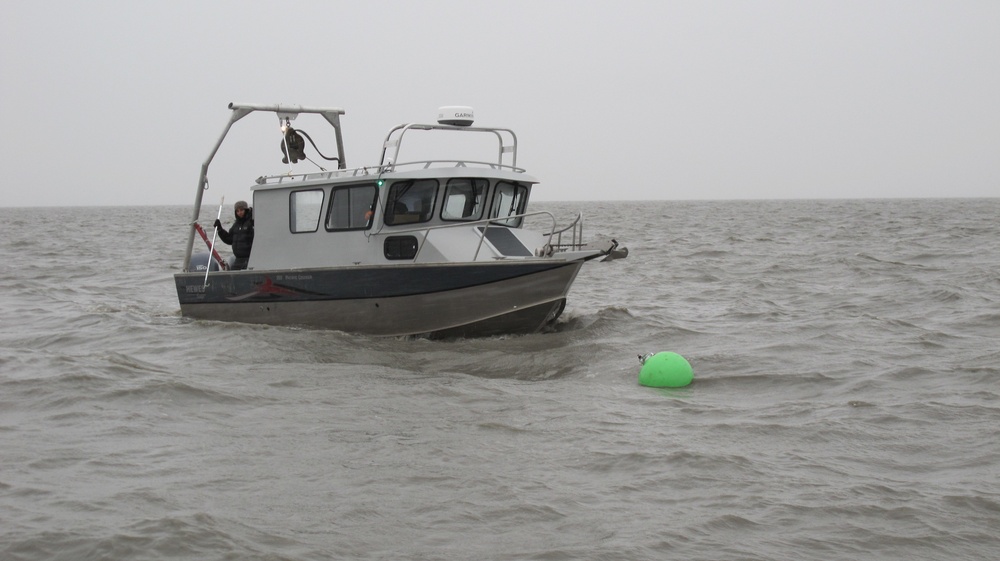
x=394 y=141
x=376 y=170
x=426 y=164
x=319 y=175
x=487 y=222
x=575 y=235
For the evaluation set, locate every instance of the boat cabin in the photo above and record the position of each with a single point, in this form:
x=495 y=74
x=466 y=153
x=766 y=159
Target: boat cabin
x=420 y=211
x=427 y=215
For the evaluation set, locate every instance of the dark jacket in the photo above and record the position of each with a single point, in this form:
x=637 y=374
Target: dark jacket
x=240 y=235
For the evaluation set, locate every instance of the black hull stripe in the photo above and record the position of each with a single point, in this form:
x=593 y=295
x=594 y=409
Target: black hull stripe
x=346 y=283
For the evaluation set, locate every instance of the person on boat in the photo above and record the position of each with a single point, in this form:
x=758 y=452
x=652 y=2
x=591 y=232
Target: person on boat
x=240 y=235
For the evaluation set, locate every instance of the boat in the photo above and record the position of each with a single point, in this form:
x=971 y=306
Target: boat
x=436 y=248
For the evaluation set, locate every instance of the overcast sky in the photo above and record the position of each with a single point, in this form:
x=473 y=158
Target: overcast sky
x=118 y=103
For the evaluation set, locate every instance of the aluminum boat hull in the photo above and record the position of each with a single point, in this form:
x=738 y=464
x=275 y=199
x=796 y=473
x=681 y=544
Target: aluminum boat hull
x=437 y=300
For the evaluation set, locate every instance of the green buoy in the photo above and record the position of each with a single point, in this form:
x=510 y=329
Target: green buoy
x=665 y=370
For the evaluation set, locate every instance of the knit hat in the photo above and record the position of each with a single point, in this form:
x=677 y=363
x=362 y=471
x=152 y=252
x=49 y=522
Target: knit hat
x=241 y=204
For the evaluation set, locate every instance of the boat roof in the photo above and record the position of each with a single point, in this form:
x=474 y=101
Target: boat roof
x=442 y=171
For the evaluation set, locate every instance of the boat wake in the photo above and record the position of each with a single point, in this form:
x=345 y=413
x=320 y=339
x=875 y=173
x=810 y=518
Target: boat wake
x=611 y=317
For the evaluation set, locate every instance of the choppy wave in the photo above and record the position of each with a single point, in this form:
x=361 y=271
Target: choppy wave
x=844 y=406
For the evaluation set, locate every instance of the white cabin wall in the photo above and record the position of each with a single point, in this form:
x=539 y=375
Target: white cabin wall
x=276 y=247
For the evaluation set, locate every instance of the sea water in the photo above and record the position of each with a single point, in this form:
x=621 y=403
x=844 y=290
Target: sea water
x=845 y=405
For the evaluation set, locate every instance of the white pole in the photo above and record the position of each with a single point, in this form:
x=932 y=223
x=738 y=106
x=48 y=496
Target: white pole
x=211 y=251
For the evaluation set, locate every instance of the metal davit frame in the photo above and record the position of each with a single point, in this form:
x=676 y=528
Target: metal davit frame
x=240 y=110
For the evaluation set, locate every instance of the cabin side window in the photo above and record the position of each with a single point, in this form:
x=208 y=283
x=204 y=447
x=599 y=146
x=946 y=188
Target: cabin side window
x=351 y=208
x=304 y=210
x=464 y=199
x=400 y=247
x=509 y=199
x=411 y=201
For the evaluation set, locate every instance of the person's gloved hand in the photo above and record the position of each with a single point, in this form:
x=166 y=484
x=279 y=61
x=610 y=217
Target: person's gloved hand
x=218 y=225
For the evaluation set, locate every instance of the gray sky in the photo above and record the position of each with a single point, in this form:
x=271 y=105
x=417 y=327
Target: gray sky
x=118 y=103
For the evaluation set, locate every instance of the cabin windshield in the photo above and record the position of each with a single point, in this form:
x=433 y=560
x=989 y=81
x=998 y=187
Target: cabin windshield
x=411 y=201
x=464 y=199
x=509 y=199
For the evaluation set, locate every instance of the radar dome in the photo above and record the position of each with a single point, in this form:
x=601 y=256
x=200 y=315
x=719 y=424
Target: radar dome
x=457 y=115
